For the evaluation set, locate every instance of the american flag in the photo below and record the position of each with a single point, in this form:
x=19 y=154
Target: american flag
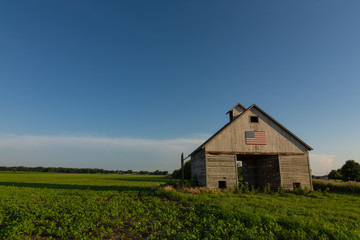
x=255 y=137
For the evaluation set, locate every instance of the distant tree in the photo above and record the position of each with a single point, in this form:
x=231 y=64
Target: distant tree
x=335 y=174
x=176 y=174
x=187 y=171
x=351 y=171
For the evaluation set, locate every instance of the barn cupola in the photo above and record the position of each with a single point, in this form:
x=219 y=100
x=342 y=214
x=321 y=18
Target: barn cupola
x=235 y=111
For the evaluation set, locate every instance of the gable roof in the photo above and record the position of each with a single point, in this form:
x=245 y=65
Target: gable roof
x=280 y=125
x=262 y=111
x=236 y=106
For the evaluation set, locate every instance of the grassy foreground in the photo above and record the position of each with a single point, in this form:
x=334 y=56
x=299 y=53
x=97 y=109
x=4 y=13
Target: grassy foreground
x=94 y=206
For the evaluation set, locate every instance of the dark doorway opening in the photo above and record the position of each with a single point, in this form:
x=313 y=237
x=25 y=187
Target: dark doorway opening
x=260 y=170
x=222 y=184
x=296 y=185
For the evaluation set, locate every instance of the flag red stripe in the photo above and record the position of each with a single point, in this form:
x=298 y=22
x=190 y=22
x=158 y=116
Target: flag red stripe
x=259 y=138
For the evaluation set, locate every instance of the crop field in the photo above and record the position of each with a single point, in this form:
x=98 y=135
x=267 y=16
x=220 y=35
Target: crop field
x=97 y=206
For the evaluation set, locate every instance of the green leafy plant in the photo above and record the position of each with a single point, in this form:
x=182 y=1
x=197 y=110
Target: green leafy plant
x=84 y=206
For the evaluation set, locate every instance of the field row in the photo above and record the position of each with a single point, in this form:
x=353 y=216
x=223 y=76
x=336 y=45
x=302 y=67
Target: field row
x=94 y=206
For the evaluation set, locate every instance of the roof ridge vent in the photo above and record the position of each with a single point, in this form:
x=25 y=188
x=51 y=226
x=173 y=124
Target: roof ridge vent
x=235 y=111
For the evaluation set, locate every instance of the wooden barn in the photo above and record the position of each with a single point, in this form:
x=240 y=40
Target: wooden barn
x=269 y=153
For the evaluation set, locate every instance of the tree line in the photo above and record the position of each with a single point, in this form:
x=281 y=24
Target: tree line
x=350 y=171
x=79 y=170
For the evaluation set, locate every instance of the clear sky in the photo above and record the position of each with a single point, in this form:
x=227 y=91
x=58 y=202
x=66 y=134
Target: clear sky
x=132 y=84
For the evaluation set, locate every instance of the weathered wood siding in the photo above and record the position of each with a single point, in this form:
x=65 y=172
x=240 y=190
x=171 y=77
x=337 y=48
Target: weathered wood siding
x=282 y=161
x=295 y=169
x=232 y=138
x=198 y=168
x=261 y=170
x=220 y=168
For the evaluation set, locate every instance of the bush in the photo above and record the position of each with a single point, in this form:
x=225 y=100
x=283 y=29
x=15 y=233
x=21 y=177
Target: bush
x=187 y=171
x=335 y=174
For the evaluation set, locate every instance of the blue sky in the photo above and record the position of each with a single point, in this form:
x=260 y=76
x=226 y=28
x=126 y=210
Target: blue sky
x=132 y=84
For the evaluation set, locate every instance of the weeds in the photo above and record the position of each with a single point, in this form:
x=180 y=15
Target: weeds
x=60 y=206
x=242 y=189
x=339 y=187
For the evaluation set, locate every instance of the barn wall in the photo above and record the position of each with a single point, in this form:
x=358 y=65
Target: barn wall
x=232 y=138
x=259 y=171
x=295 y=168
x=221 y=168
x=198 y=167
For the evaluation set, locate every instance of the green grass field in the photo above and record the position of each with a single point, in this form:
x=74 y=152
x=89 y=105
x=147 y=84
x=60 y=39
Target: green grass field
x=95 y=206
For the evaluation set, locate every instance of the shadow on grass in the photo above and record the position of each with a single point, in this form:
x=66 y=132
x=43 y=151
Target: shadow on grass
x=142 y=179
x=79 y=187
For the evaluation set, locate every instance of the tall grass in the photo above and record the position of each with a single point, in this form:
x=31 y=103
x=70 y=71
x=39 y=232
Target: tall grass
x=340 y=187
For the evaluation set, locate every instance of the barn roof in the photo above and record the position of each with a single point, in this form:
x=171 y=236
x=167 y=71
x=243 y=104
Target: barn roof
x=236 y=106
x=262 y=111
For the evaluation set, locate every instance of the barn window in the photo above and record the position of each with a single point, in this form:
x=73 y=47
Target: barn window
x=222 y=184
x=296 y=185
x=254 y=119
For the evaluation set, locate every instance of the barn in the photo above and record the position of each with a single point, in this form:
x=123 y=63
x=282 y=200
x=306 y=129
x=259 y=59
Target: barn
x=268 y=152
